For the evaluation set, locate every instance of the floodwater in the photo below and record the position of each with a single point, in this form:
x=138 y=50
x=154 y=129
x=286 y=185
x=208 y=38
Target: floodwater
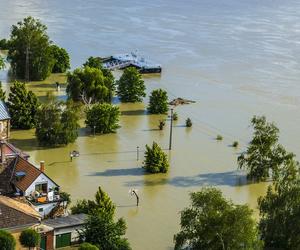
x=235 y=58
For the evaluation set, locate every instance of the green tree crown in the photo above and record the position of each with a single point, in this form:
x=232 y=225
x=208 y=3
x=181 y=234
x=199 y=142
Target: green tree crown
x=61 y=58
x=212 y=222
x=7 y=241
x=131 y=86
x=90 y=85
x=30 y=36
x=30 y=238
x=156 y=160
x=103 y=117
x=158 y=103
x=22 y=105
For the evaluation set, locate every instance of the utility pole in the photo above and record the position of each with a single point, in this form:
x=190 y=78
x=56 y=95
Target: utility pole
x=171 y=127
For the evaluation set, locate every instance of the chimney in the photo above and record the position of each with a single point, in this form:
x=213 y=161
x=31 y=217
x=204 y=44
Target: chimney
x=2 y=148
x=42 y=166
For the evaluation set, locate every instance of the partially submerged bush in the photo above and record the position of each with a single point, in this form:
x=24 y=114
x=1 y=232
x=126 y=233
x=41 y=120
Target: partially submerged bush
x=161 y=124
x=235 y=144
x=175 y=116
x=188 y=122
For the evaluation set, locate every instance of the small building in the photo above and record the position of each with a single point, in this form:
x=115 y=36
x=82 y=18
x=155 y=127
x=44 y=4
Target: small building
x=17 y=215
x=38 y=188
x=4 y=121
x=64 y=230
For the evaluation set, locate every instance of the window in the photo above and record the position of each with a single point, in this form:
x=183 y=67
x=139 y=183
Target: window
x=41 y=188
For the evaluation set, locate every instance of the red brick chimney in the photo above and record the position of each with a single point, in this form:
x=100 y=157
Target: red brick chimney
x=42 y=166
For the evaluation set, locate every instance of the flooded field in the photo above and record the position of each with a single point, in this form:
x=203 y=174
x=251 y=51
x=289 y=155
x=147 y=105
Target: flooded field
x=235 y=60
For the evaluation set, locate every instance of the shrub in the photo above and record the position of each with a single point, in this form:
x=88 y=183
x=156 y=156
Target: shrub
x=30 y=238
x=175 y=116
x=188 y=122
x=104 y=118
x=87 y=246
x=155 y=159
x=219 y=138
x=7 y=241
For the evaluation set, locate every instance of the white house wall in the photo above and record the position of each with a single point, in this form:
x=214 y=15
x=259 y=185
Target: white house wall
x=42 y=178
x=47 y=208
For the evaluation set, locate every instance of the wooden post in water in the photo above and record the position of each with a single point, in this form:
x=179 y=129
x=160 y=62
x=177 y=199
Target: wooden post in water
x=171 y=127
x=137 y=153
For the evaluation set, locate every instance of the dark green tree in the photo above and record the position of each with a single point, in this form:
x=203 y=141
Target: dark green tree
x=263 y=155
x=61 y=59
x=4 y=44
x=29 y=40
x=101 y=230
x=280 y=208
x=131 y=86
x=56 y=124
x=103 y=118
x=93 y=62
x=212 y=222
x=158 y=103
x=102 y=203
x=30 y=238
x=89 y=85
x=156 y=160
x=22 y=105
x=87 y=246
x=7 y=241
x=2 y=93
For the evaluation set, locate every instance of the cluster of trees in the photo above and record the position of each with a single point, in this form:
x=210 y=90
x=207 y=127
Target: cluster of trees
x=31 y=53
x=101 y=230
x=214 y=223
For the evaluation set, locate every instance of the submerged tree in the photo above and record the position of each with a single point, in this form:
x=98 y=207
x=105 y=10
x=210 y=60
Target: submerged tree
x=103 y=118
x=212 y=222
x=131 y=86
x=30 y=46
x=280 y=208
x=101 y=203
x=61 y=59
x=158 y=102
x=156 y=160
x=264 y=154
x=57 y=123
x=22 y=105
x=89 y=85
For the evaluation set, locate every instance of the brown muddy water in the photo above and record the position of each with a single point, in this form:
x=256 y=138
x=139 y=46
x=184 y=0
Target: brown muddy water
x=235 y=60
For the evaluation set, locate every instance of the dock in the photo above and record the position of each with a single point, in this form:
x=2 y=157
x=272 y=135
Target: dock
x=122 y=61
